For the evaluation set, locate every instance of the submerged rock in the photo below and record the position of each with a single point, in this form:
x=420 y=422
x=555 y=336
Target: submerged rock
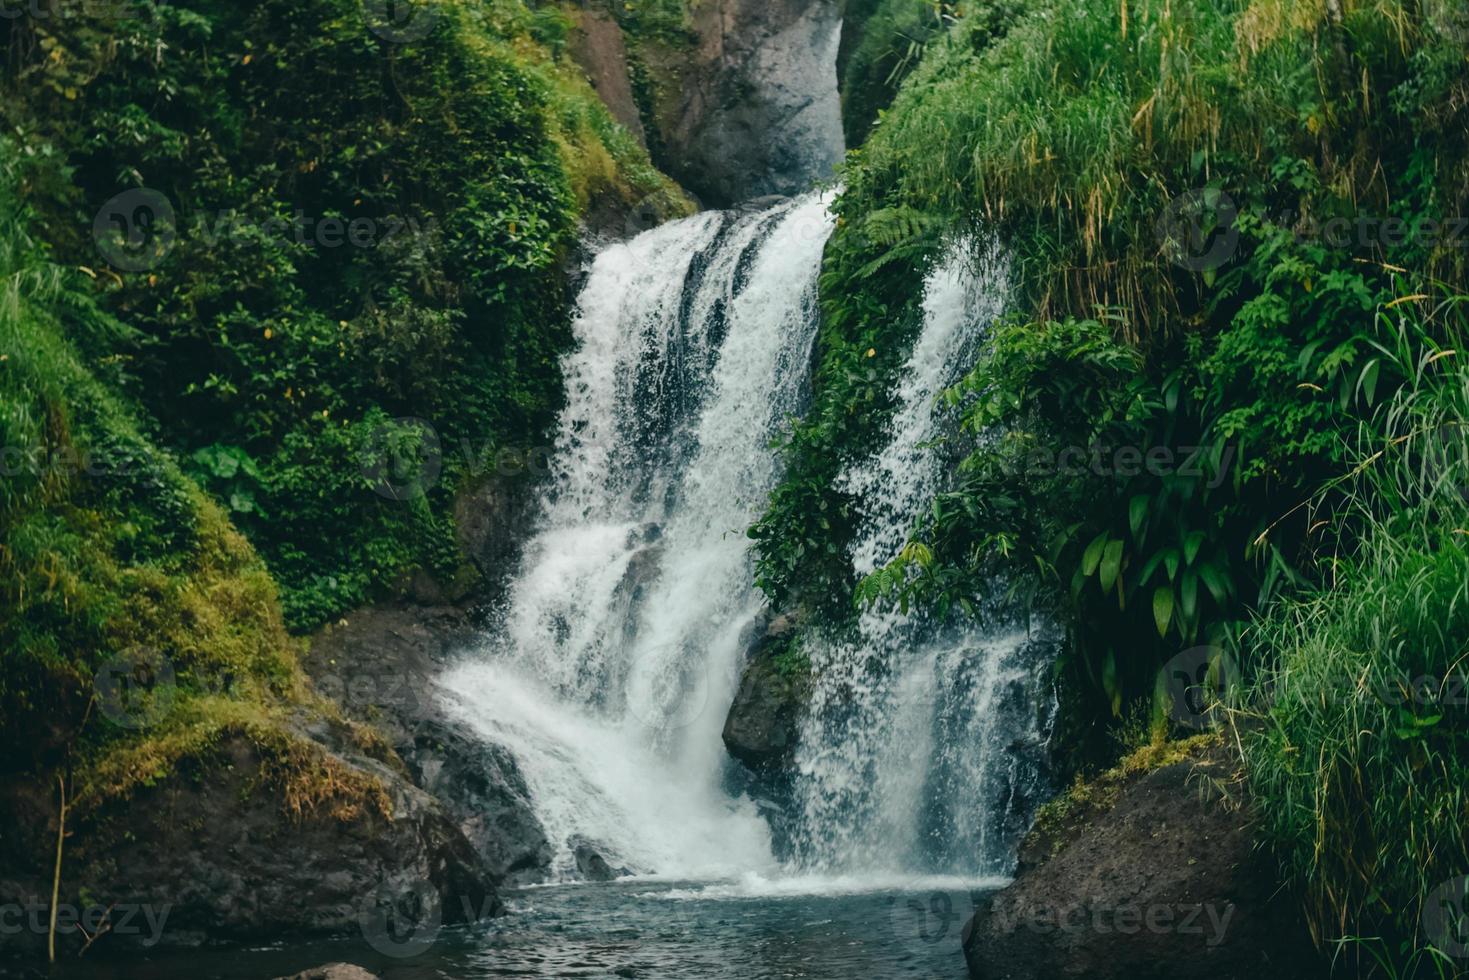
x=1162 y=882
x=333 y=971
x=592 y=865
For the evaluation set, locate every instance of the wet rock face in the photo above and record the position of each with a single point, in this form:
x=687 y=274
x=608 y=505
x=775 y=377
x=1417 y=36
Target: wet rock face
x=748 y=107
x=381 y=667
x=764 y=722
x=592 y=866
x=1166 y=883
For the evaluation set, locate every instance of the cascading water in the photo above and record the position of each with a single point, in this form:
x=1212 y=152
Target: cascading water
x=919 y=749
x=622 y=636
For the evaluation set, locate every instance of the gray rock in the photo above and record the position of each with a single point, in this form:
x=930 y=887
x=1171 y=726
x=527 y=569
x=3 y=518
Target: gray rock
x=752 y=108
x=219 y=851
x=592 y=866
x=332 y=971
x=764 y=721
x=598 y=46
x=1164 y=883
x=381 y=667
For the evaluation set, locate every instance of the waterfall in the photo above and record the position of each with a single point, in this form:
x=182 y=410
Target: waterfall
x=622 y=636
x=920 y=747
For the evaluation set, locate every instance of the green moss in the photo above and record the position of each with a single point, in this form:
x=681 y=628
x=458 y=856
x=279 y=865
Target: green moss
x=1059 y=820
x=267 y=357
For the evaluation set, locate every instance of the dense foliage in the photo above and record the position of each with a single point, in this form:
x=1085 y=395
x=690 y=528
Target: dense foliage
x=1112 y=148
x=277 y=281
x=882 y=42
x=355 y=220
x=1231 y=228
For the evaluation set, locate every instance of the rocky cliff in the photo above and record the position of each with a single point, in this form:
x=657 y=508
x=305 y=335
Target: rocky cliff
x=743 y=103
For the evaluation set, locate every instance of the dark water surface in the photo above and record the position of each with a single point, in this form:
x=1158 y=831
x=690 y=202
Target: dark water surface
x=644 y=929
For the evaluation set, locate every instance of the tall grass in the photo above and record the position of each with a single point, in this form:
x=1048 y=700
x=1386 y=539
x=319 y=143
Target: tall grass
x=1071 y=128
x=1357 y=745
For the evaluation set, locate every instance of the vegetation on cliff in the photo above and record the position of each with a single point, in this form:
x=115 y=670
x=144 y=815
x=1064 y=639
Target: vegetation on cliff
x=1235 y=241
x=356 y=220
x=276 y=282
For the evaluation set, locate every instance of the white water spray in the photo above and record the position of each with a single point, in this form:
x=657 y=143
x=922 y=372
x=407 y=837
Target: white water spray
x=623 y=633
x=914 y=753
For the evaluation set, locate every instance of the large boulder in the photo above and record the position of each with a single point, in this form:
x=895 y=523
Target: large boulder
x=261 y=833
x=380 y=665
x=764 y=721
x=1163 y=880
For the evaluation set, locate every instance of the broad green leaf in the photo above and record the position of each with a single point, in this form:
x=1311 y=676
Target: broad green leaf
x=1216 y=580
x=1111 y=564
x=1170 y=562
x=1191 y=543
x=1162 y=608
x=1149 y=567
x=1188 y=594
x=1137 y=512
x=1093 y=554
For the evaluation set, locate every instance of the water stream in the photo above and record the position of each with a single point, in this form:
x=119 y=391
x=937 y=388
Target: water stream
x=623 y=636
